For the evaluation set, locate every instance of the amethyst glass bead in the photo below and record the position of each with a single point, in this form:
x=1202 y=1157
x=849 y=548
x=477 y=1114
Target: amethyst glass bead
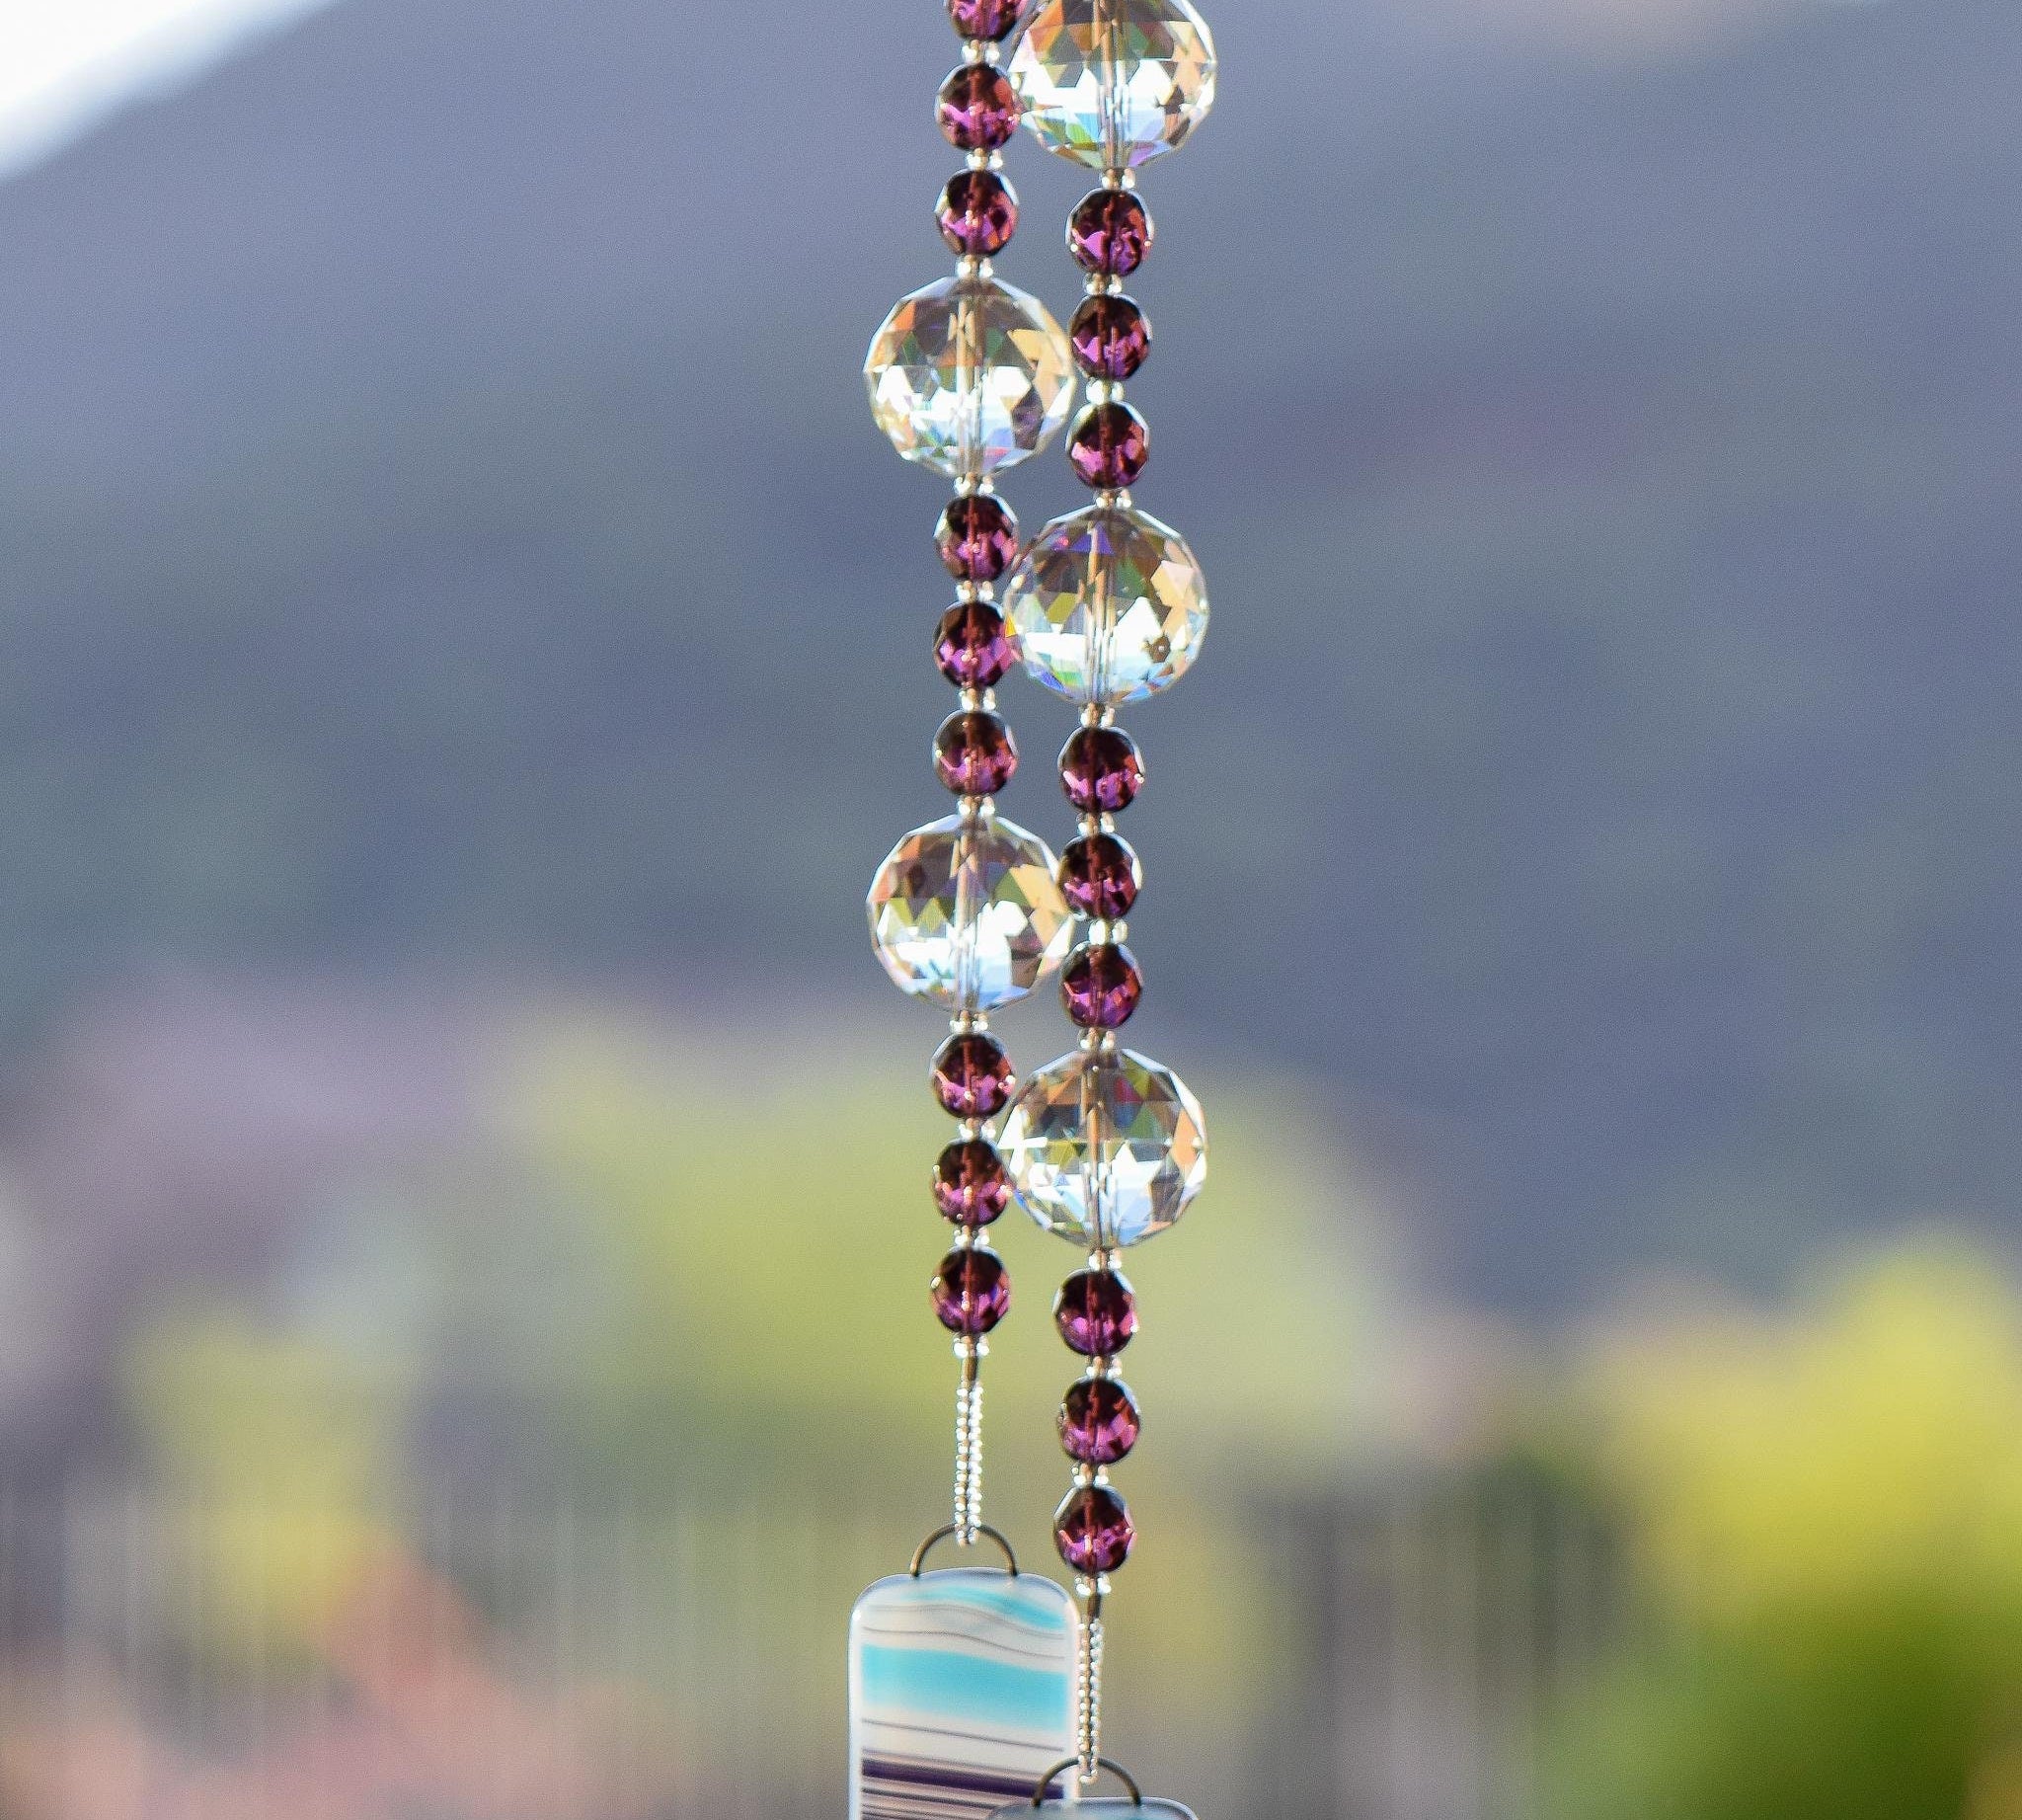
x=975 y=754
x=971 y=1291
x=1101 y=985
x=1101 y=769
x=969 y=1185
x=1098 y=1421
x=1098 y=877
x=1093 y=1531
x=978 y=213
x=1096 y=1312
x=1108 y=233
x=977 y=108
x=1109 y=446
x=970 y=648
x=985 y=18
x=978 y=538
x=1111 y=337
x=972 y=1075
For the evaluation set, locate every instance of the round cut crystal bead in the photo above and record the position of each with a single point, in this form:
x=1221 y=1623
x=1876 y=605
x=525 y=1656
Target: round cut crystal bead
x=969 y=376
x=1113 y=83
x=1108 y=233
x=1099 y=1421
x=1107 y=606
x=1104 y=1149
x=966 y=913
x=1100 y=877
x=1093 y=1530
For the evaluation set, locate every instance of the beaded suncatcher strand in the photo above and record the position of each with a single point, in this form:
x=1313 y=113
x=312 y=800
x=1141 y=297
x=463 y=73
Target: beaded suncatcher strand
x=961 y=1680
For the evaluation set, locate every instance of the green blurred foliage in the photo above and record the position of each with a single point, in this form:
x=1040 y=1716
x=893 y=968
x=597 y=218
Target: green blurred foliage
x=1826 y=1514
x=761 y=1238
x=682 y=1279
x=281 y=1462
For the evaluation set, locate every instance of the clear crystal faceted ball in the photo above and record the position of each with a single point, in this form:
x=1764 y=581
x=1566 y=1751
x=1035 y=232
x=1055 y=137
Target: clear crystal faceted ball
x=967 y=913
x=1108 y=606
x=1104 y=1149
x=969 y=376
x=1113 y=83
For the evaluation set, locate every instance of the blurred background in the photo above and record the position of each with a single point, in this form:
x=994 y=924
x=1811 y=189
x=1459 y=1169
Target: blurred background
x=463 y=1236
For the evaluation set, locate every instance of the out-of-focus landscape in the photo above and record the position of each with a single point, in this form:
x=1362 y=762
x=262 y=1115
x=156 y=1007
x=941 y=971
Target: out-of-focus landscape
x=463 y=648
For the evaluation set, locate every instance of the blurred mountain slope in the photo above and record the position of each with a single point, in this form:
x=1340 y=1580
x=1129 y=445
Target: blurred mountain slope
x=440 y=520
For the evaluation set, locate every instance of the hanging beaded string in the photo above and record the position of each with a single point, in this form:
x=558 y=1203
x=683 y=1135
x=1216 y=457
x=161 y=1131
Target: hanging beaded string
x=1106 y=1146
x=968 y=376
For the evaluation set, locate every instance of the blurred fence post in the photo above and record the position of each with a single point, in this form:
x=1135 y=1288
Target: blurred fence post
x=1428 y=1628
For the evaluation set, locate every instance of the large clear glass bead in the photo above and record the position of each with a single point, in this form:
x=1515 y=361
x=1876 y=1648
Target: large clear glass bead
x=966 y=913
x=1108 y=606
x=969 y=376
x=1104 y=1147
x=1113 y=83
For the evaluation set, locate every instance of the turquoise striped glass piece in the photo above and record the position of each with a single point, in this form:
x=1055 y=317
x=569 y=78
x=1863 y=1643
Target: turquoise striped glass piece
x=961 y=1692
x=1107 y=1808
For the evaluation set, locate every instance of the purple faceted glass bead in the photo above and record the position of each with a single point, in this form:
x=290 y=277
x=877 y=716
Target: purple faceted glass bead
x=978 y=213
x=1096 y=1312
x=1101 y=985
x=1098 y=877
x=1099 y=1421
x=975 y=754
x=971 y=1291
x=1109 y=446
x=972 y=1075
x=1093 y=1531
x=1108 y=233
x=970 y=648
x=990 y=20
x=978 y=538
x=1111 y=335
x=977 y=108
x=1101 y=769
x=969 y=1185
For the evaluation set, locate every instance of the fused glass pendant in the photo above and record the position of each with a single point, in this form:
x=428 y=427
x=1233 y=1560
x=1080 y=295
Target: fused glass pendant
x=1103 y=1808
x=966 y=913
x=1107 y=606
x=961 y=1692
x=1105 y=1149
x=969 y=376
